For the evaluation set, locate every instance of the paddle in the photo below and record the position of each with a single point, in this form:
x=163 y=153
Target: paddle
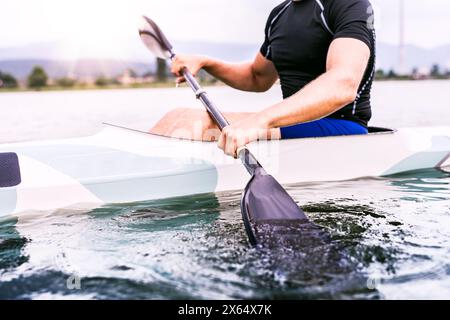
x=264 y=202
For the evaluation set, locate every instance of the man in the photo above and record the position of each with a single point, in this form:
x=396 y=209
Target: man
x=323 y=52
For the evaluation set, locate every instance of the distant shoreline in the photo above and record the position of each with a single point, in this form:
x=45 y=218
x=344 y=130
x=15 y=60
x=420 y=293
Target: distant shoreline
x=156 y=85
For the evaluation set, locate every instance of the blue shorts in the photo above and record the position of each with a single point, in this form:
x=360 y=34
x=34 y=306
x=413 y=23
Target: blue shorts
x=323 y=128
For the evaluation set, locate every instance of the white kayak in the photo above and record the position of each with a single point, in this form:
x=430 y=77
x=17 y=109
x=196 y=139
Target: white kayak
x=120 y=165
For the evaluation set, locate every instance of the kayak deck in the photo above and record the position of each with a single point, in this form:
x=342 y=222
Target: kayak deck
x=121 y=165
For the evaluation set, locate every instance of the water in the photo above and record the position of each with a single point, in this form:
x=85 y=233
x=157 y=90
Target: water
x=386 y=238
x=35 y=116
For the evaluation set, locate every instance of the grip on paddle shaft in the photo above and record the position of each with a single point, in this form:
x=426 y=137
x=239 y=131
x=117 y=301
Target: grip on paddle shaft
x=247 y=158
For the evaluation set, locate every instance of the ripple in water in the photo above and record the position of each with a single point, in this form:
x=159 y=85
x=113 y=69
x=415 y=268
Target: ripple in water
x=377 y=238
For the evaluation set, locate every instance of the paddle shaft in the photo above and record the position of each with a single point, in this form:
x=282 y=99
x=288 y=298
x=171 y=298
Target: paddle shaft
x=264 y=200
x=247 y=158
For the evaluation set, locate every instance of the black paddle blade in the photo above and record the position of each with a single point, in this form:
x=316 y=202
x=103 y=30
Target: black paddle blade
x=154 y=39
x=266 y=202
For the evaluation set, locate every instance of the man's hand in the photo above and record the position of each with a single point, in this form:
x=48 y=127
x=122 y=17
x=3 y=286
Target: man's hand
x=244 y=131
x=193 y=63
x=256 y=76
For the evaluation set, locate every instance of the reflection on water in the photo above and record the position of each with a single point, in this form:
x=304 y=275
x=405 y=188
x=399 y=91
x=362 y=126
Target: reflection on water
x=11 y=244
x=381 y=238
x=424 y=185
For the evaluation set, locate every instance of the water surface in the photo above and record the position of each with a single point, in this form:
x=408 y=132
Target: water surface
x=388 y=238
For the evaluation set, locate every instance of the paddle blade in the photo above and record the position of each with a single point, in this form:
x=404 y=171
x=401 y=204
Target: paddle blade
x=266 y=202
x=154 y=39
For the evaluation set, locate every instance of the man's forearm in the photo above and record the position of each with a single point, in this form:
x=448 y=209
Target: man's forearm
x=322 y=97
x=237 y=75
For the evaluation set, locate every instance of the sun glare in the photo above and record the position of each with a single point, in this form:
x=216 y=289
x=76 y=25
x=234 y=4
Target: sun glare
x=88 y=29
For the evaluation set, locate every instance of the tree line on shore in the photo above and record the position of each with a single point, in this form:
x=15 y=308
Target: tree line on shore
x=416 y=74
x=38 y=78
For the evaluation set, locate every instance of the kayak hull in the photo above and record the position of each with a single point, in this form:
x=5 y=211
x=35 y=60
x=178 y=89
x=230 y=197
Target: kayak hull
x=119 y=165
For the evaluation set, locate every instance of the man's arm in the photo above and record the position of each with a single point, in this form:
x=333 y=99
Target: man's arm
x=257 y=76
x=346 y=64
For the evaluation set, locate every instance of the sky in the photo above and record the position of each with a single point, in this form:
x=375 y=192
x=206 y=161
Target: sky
x=101 y=24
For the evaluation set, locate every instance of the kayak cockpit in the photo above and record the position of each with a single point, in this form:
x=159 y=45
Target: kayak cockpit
x=372 y=131
x=380 y=130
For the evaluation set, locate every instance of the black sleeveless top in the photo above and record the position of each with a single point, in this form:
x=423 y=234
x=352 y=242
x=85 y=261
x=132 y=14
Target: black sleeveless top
x=299 y=34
